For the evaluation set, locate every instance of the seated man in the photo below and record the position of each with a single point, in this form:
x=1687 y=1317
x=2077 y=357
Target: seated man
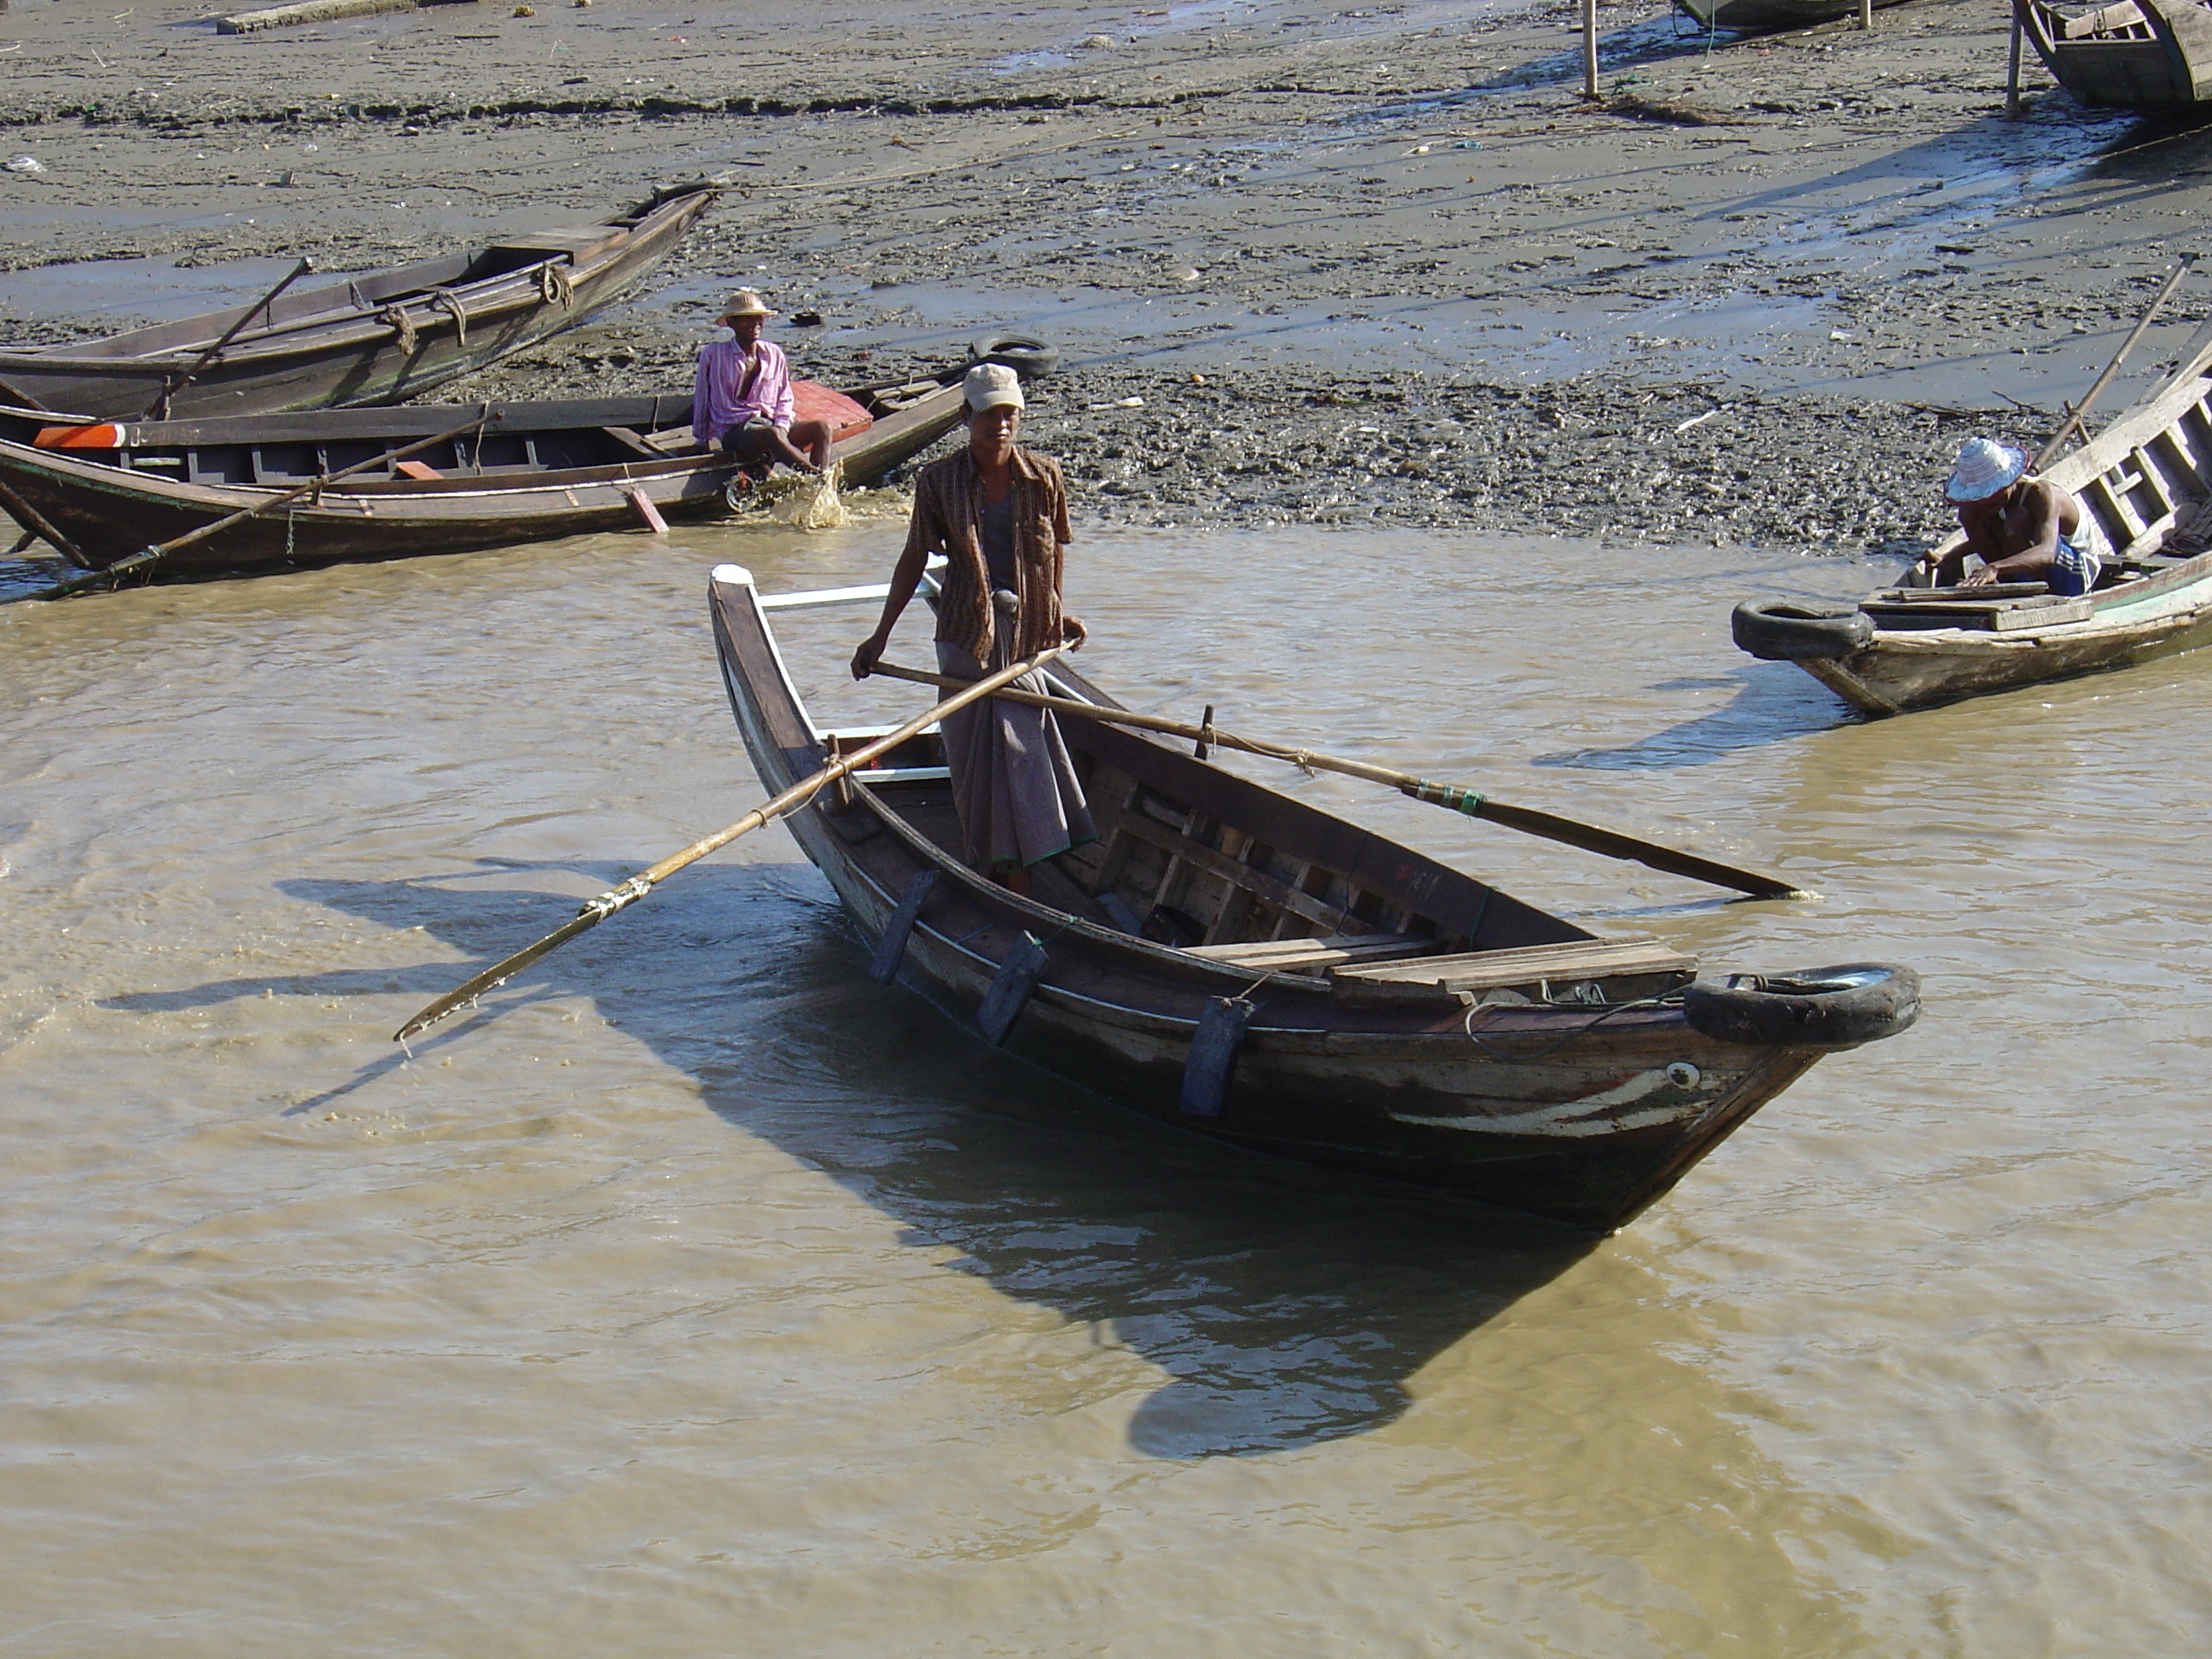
x=2023 y=529
x=742 y=396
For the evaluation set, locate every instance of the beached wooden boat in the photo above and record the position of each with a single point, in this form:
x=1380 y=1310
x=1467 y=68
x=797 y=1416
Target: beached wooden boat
x=1770 y=14
x=1232 y=960
x=370 y=339
x=534 y=471
x=2140 y=54
x=2147 y=482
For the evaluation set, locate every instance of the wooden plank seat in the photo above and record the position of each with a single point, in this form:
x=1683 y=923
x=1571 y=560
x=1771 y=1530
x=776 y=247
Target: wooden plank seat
x=2001 y=616
x=1262 y=886
x=1326 y=950
x=1632 y=968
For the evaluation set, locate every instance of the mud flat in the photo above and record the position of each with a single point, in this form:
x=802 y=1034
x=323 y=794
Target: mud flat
x=1305 y=264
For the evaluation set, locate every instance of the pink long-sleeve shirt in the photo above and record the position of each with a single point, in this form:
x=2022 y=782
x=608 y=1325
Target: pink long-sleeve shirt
x=720 y=397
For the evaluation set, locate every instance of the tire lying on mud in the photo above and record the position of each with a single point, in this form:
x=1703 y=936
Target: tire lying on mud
x=1838 y=1007
x=1786 y=630
x=1027 y=355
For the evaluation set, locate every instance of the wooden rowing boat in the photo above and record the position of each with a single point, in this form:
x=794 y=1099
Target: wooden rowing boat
x=2146 y=482
x=370 y=339
x=535 y=471
x=1769 y=15
x=1234 y=961
x=2140 y=54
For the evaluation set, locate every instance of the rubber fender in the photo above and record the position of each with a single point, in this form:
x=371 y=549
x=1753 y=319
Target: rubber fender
x=1785 y=630
x=1028 y=356
x=1838 y=1007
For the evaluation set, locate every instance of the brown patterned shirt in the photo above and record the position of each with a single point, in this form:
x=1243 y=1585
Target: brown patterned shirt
x=948 y=509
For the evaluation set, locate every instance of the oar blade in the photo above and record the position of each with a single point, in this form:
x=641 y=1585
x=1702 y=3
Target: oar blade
x=1610 y=843
x=492 y=977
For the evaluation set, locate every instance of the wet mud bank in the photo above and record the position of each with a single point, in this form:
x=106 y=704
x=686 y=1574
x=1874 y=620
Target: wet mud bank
x=1305 y=264
x=1586 y=457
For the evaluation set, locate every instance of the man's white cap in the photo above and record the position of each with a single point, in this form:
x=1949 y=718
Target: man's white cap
x=993 y=386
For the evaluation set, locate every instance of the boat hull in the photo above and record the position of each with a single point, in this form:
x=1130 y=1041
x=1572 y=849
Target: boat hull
x=1585 y=1115
x=344 y=345
x=1924 y=670
x=2138 y=54
x=2139 y=481
x=107 y=511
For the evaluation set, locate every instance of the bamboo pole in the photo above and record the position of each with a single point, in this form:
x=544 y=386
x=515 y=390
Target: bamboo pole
x=2043 y=455
x=1589 y=48
x=596 y=910
x=160 y=406
x=2012 y=69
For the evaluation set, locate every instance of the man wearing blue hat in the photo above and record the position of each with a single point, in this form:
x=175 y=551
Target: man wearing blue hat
x=2023 y=528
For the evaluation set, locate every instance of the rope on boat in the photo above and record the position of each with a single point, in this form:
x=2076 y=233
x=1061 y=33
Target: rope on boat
x=396 y=318
x=1665 y=1000
x=451 y=303
x=554 y=285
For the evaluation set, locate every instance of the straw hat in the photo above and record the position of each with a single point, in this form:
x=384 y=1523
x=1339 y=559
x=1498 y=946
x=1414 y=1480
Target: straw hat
x=745 y=303
x=1985 y=467
x=993 y=386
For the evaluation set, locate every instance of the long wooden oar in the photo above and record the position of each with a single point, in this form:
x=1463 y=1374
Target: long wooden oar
x=132 y=563
x=171 y=388
x=1549 y=825
x=2073 y=423
x=596 y=910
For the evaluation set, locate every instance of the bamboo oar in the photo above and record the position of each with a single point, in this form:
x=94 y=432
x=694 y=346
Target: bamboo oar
x=596 y=910
x=132 y=562
x=1549 y=825
x=2074 y=419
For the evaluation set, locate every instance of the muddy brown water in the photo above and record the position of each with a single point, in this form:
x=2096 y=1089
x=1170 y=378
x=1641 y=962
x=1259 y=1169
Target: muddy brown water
x=700 y=1296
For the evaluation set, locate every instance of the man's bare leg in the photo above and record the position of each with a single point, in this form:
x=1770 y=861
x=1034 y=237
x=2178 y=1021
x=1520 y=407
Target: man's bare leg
x=814 y=437
x=778 y=447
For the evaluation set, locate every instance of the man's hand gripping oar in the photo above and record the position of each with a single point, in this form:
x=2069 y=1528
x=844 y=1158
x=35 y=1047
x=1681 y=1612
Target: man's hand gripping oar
x=596 y=910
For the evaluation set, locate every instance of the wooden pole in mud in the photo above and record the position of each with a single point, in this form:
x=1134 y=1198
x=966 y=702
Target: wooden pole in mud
x=1866 y=13
x=1589 y=48
x=2012 y=72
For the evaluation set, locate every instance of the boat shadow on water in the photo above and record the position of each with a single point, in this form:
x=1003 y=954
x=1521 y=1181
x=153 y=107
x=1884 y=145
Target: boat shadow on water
x=1288 y=1306
x=1773 y=703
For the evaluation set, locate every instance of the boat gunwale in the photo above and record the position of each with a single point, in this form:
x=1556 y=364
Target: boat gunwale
x=338 y=326
x=516 y=504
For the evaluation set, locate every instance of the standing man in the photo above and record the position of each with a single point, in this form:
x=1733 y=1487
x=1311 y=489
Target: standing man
x=2024 y=529
x=999 y=514
x=742 y=399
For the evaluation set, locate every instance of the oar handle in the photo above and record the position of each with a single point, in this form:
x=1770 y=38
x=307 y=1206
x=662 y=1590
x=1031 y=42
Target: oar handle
x=597 y=909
